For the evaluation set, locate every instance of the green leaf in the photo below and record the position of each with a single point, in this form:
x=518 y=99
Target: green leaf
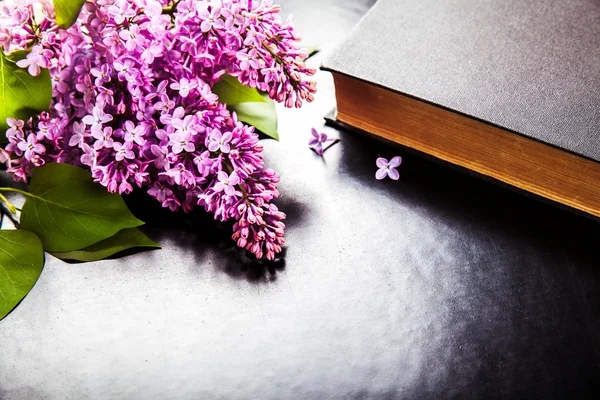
x=67 y=11
x=70 y=212
x=231 y=92
x=21 y=95
x=260 y=115
x=123 y=240
x=21 y=263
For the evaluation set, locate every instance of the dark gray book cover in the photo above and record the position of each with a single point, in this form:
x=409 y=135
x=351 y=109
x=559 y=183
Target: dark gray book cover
x=532 y=67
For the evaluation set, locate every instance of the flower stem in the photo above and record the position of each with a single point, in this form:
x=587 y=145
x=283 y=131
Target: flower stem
x=281 y=62
x=7 y=189
x=171 y=8
x=9 y=205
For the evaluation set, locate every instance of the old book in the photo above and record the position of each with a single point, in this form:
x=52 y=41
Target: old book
x=509 y=89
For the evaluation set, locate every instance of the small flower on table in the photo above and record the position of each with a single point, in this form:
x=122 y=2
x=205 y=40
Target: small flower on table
x=388 y=168
x=318 y=140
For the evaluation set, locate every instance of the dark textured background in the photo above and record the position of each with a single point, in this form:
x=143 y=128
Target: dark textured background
x=439 y=285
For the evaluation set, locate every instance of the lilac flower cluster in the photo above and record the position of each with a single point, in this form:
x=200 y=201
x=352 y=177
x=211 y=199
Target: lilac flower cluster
x=133 y=101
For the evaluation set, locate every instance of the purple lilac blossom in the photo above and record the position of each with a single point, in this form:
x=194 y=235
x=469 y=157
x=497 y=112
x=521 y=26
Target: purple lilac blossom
x=133 y=102
x=388 y=168
x=317 y=141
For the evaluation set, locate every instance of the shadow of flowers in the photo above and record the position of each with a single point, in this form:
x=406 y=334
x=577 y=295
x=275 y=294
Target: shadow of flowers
x=209 y=240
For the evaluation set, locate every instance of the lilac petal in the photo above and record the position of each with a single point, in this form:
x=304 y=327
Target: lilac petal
x=319 y=148
x=189 y=147
x=222 y=176
x=213 y=146
x=88 y=120
x=205 y=26
x=380 y=174
x=314 y=132
x=381 y=162
x=219 y=186
x=24 y=63
x=396 y=161
x=156 y=150
x=203 y=13
x=75 y=140
x=393 y=174
x=34 y=70
x=177 y=148
x=225 y=148
x=216 y=135
x=229 y=190
x=313 y=142
x=255 y=64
